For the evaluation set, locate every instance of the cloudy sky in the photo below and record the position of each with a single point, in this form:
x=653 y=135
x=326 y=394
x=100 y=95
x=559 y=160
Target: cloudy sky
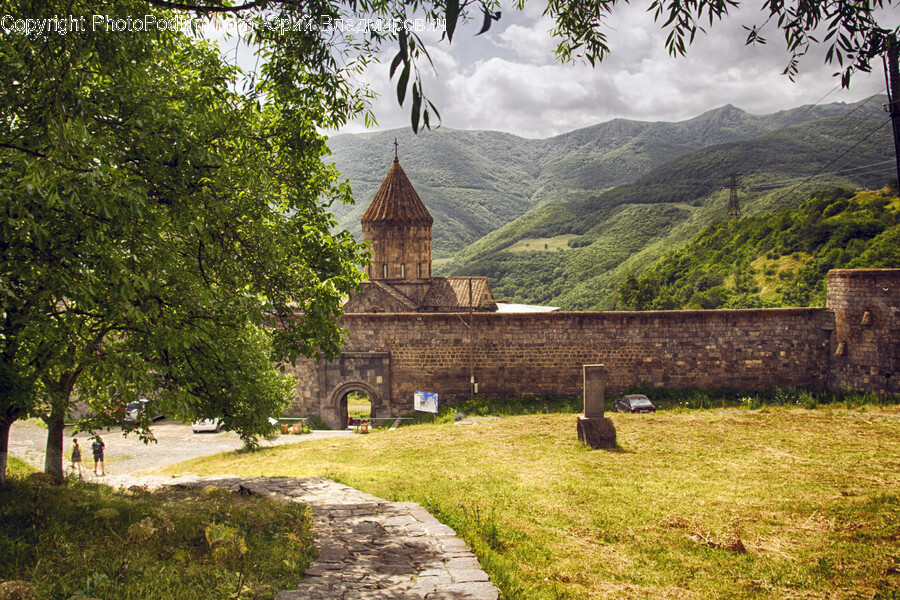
x=509 y=80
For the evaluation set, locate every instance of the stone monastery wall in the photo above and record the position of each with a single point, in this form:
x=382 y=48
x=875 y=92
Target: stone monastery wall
x=853 y=343
x=544 y=353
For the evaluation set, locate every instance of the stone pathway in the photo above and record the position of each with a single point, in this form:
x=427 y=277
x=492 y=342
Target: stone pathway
x=369 y=548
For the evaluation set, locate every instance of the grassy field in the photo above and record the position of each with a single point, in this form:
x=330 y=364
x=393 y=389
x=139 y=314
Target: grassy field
x=727 y=503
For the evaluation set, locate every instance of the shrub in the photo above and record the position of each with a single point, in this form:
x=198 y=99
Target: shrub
x=316 y=422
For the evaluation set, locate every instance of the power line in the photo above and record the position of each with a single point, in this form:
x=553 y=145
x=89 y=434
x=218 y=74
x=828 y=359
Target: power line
x=859 y=122
x=808 y=108
x=819 y=101
x=842 y=155
x=782 y=182
x=848 y=130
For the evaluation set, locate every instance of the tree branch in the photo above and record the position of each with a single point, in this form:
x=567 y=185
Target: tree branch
x=45 y=157
x=209 y=9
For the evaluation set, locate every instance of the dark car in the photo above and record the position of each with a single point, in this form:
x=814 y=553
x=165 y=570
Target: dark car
x=134 y=411
x=635 y=403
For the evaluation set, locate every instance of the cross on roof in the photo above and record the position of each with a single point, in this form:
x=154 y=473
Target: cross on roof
x=396 y=147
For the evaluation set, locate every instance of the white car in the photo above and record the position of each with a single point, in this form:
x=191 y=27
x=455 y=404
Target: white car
x=206 y=425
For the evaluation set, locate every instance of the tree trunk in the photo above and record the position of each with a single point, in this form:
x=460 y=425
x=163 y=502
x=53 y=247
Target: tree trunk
x=53 y=462
x=5 y=426
x=893 y=89
x=60 y=394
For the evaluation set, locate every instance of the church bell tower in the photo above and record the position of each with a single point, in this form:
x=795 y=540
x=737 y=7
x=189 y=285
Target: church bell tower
x=398 y=226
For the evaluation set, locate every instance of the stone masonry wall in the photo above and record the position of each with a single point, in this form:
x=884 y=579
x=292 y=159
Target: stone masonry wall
x=543 y=353
x=398 y=244
x=854 y=343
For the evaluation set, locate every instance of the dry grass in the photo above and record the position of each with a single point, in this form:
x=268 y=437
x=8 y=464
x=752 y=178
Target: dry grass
x=775 y=503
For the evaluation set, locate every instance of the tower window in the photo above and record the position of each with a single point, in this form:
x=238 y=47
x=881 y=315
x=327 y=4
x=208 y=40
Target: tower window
x=419 y=270
x=384 y=271
x=403 y=271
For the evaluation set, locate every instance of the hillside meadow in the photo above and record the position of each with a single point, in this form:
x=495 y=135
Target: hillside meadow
x=721 y=503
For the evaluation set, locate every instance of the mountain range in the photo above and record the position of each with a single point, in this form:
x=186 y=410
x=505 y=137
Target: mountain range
x=562 y=220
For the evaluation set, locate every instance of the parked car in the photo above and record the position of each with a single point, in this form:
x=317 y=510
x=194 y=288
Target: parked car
x=206 y=425
x=635 y=403
x=133 y=411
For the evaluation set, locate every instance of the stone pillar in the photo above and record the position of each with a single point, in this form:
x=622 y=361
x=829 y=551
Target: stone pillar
x=594 y=390
x=594 y=429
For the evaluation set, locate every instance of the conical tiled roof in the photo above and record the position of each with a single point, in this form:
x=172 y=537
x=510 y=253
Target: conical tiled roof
x=397 y=202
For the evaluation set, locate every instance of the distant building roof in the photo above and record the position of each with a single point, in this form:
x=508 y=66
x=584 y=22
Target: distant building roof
x=457 y=292
x=508 y=307
x=397 y=202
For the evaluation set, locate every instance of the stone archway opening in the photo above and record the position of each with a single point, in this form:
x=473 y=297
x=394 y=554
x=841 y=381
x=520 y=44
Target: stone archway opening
x=357 y=400
x=359 y=405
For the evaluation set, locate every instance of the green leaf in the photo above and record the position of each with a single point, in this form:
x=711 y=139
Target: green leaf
x=416 y=107
x=402 y=83
x=489 y=18
x=398 y=58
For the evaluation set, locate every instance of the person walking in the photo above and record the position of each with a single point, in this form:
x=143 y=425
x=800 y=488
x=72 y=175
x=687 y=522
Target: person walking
x=98 y=446
x=76 y=456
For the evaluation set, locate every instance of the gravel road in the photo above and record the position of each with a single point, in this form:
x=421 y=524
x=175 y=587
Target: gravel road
x=129 y=455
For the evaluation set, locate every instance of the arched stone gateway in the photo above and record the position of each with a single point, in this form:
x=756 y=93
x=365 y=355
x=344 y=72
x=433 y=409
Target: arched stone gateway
x=367 y=372
x=337 y=402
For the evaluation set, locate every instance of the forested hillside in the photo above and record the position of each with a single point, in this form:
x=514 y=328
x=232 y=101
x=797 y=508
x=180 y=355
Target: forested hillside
x=773 y=260
x=474 y=182
x=575 y=254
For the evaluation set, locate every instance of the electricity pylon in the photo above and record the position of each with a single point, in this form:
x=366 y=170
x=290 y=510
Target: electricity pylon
x=734 y=207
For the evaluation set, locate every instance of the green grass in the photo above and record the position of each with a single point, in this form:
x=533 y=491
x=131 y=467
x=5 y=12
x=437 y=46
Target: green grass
x=176 y=544
x=812 y=496
x=18 y=468
x=480 y=406
x=359 y=406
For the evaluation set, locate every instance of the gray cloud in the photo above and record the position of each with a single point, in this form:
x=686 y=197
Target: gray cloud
x=508 y=79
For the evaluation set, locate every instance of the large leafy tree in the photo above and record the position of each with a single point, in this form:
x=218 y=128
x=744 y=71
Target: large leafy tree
x=161 y=232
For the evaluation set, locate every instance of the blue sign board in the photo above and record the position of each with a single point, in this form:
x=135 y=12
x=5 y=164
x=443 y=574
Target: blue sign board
x=426 y=402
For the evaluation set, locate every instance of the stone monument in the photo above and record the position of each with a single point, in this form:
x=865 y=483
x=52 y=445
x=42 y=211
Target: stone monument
x=594 y=429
